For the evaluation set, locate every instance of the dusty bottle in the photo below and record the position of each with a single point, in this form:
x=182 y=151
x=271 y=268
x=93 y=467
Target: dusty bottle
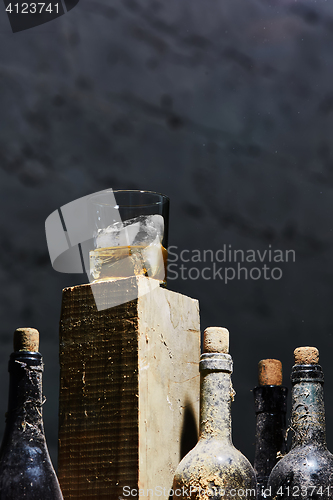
x=307 y=470
x=270 y=400
x=26 y=471
x=214 y=469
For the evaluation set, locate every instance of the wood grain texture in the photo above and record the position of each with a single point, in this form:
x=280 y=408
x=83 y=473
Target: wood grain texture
x=129 y=383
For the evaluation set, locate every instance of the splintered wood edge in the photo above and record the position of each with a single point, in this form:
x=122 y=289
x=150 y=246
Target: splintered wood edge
x=26 y=339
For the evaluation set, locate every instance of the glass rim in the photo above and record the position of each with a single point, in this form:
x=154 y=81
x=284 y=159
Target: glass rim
x=164 y=198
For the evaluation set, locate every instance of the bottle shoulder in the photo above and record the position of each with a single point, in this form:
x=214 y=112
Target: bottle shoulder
x=26 y=450
x=27 y=472
x=310 y=452
x=211 y=456
x=23 y=440
x=303 y=464
x=32 y=484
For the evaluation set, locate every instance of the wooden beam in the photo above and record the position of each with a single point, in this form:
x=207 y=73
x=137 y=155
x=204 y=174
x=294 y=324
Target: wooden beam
x=129 y=391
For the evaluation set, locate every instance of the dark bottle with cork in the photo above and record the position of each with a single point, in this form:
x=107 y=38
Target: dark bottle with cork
x=307 y=470
x=214 y=469
x=270 y=400
x=26 y=471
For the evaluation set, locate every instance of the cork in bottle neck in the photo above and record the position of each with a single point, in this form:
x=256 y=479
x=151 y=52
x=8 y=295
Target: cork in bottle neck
x=308 y=410
x=216 y=350
x=216 y=339
x=26 y=339
x=306 y=367
x=216 y=392
x=306 y=356
x=270 y=372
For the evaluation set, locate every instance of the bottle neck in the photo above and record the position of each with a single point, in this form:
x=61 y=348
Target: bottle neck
x=270 y=406
x=25 y=393
x=308 y=410
x=216 y=394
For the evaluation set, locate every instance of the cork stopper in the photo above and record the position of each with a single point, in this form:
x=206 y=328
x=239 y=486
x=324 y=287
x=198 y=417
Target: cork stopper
x=26 y=339
x=270 y=372
x=306 y=356
x=216 y=339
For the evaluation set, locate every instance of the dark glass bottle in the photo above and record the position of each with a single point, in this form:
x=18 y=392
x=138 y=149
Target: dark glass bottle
x=214 y=469
x=26 y=471
x=306 y=471
x=270 y=400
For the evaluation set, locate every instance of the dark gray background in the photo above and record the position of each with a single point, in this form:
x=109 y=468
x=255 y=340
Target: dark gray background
x=225 y=106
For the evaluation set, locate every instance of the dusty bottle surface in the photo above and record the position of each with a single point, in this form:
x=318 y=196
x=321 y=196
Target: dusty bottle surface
x=26 y=471
x=270 y=399
x=214 y=468
x=307 y=470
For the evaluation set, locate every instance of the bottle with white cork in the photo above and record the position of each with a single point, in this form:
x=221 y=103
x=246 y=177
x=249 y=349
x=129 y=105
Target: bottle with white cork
x=214 y=469
x=307 y=470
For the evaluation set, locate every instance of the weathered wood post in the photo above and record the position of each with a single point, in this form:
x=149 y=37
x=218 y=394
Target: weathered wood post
x=129 y=388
